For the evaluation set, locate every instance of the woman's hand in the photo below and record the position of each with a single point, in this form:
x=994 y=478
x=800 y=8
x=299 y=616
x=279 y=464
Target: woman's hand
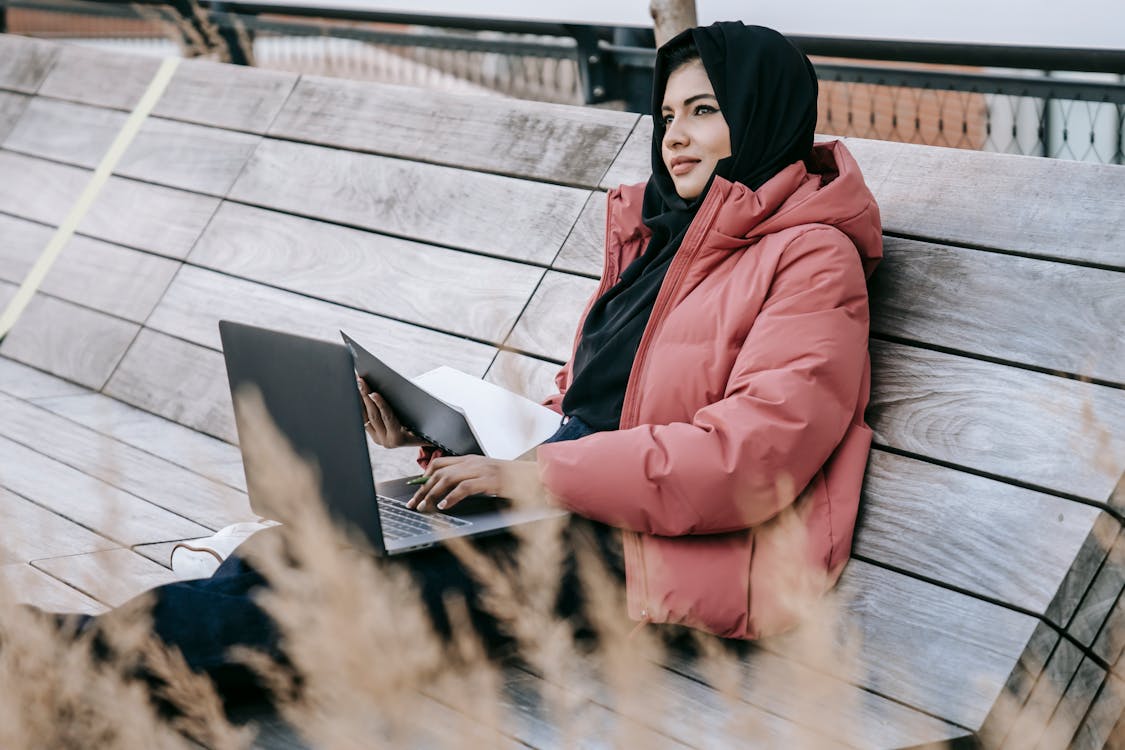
x=380 y=421
x=451 y=479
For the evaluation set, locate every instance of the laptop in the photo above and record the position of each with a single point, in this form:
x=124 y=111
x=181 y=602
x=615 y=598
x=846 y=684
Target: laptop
x=309 y=389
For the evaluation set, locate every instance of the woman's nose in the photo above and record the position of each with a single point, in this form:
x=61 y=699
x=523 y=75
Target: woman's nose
x=675 y=134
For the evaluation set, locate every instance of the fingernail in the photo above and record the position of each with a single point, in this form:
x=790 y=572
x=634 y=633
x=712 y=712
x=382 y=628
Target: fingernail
x=441 y=505
x=422 y=505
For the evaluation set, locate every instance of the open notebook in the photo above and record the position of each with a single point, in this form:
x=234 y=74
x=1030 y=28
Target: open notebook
x=458 y=412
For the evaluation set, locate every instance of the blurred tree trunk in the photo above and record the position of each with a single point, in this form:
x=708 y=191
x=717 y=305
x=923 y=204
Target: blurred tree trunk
x=670 y=17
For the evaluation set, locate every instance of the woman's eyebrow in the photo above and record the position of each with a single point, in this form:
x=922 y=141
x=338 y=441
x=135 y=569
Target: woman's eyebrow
x=692 y=99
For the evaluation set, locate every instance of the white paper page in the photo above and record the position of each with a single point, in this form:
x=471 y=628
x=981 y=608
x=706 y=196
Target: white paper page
x=505 y=424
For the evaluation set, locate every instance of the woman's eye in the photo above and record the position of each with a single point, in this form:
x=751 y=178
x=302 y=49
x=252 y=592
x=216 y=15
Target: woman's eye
x=705 y=109
x=667 y=120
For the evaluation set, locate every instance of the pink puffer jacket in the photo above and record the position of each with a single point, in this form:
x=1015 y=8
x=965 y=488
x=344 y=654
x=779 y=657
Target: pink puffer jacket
x=736 y=472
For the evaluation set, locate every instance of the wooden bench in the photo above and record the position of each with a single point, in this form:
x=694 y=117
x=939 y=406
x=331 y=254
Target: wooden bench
x=989 y=562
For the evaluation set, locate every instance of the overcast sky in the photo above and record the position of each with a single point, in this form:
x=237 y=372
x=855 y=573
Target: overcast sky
x=1053 y=23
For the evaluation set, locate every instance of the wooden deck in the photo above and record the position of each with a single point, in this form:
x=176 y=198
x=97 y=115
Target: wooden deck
x=989 y=562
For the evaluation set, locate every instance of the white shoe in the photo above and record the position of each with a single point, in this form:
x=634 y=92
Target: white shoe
x=200 y=558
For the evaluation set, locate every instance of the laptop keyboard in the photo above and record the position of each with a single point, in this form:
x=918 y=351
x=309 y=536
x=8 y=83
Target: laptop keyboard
x=400 y=522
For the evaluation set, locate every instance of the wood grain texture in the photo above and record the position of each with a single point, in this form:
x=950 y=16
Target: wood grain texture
x=1034 y=312
x=1110 y=641
x=77 y=134
x=1075 y=212
x=559 y=143
x=162 y=483
x=32 y=532
x=192 y=157
x=67 y=340
x=25 y=62
x=100 y=507
x=944 y=653
x=584 y=249
x=1053 y=432
x=183 y=382
x=634 y=163
x=496 y=215
x=1107 y=708
x=1076 y=702
x=112 y=577
x=225 y=96
x=11 y=108
x=527 y=376
x=26 y=585
x=990 y=538
x=172 y=442
x=7 y=293
x=1045 y=697
x=159 y=219
x=810 y=698
x=548 y=325
x=99 y=77
x=115 y=280
x=445 y=289
x=39 y=190
x=198 y=299
x=1103 y=593
x=21 y=381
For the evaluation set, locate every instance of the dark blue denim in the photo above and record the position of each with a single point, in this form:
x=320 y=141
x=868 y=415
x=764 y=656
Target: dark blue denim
x=205 y=618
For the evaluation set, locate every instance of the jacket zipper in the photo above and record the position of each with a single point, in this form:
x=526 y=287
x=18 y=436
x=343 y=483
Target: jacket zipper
x=632 y=541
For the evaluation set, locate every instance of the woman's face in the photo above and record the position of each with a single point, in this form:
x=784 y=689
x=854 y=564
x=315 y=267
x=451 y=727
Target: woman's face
x=696 y=136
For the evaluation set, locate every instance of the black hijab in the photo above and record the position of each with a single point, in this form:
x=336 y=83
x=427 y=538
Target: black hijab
x=766 y=89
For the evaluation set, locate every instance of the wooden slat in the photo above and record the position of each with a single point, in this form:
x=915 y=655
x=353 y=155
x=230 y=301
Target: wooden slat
x=30 y=586
x=99 y=77
x=198 y=299
x=112 y=577
x=73 y=342
x=1093 y=732
x=547 y=326
x=161 y=482
x=25 y=382
x=39 y=190
x=527 y=376
x=11 y=108
x=998 y=419
x=149 y=217
x=584 y=249
x=1045 y=697
x=1100 y=597
x=496 y=215
x=992 y=539
x=96 y=274
x=1076 y=702
x=1076 y=212
x=100 y=507
x=1034 y=312
x=183 y=446
x=225 y=96
x=944 y=653
x=62 y=131
x=24 y=62
x=192 y=157
x=634 y=163
x=810 y=698
x=1110 y=642
x=183 y=382
x=32 y=532
x=445 y=289
x=571 y=145
x=176 y=154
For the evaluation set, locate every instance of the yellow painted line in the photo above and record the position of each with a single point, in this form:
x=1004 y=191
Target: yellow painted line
x=82 y=206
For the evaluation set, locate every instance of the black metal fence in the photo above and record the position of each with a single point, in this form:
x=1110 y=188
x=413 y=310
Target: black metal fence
x=1048 y=102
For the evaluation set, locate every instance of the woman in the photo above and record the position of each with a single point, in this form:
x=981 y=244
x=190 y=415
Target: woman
x=714 y=401
x=721 y=368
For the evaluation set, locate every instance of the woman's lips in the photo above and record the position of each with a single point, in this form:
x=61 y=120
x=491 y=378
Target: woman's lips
x=683 y=167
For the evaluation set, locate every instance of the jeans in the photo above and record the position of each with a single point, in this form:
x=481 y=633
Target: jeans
x=205 y=618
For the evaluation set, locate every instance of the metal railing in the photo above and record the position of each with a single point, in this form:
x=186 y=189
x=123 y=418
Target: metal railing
x=1048 y=102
